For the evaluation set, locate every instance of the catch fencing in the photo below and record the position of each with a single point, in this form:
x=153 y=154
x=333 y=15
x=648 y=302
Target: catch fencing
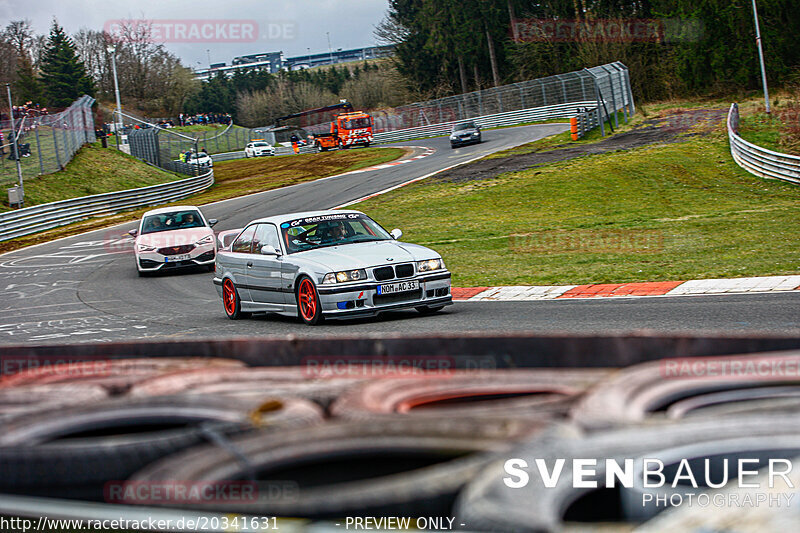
x=48 y=142
x=605 y=88
x=48 y=216
x=757 y=160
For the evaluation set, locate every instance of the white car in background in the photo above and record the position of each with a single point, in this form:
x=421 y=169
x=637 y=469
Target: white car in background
x=174 y=237
x=201 y=159
x=258 y=148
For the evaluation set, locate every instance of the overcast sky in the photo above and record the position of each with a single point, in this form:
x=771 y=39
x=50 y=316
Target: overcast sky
x=292 y=26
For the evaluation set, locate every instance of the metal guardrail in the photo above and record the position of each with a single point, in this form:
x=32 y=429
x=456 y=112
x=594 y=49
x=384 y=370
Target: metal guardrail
x=760 y=161
x=509 y=118
x=48 y=216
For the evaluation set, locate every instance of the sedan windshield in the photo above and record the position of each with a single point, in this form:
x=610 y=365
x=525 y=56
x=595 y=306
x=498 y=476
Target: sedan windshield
x=330 y=230
x=260 y=145
x=464 y=126
x=171 y=221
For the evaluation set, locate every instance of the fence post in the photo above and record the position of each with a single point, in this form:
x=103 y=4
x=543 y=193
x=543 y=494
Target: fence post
x=55 y=145
x=599 y=100
x=630 y=92
x=39 y=149
x=613 y=99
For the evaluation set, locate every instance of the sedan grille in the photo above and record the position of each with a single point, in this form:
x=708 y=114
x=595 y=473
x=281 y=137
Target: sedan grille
x=404 y=271
x=383 y=273
x=175 y=250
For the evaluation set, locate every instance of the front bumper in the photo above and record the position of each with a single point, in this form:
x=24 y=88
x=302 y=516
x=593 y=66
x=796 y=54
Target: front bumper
x=463 y=142
x=362 y=299
x=154 y=261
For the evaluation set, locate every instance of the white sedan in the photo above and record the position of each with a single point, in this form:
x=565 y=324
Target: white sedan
x=174 y=237
x=258 y=148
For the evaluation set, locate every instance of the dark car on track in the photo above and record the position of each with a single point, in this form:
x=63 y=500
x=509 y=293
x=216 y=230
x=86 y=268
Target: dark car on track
x=465 y=133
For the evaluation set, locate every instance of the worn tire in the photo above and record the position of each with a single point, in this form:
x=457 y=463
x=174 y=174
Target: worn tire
x=117 y=375
x=487 y=504
x=29 y=398
x=646 y=391
x=77 y=446
x=384 y=468
x=522 y=393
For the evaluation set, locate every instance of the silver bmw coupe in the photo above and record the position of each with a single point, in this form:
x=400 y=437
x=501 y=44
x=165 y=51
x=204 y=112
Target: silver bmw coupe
x=326 y=264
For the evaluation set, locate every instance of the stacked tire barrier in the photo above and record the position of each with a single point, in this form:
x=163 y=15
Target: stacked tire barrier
x=326 y=429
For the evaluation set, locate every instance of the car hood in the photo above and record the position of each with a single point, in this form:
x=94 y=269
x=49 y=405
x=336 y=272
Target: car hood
x=175 y=237
x=367 y=254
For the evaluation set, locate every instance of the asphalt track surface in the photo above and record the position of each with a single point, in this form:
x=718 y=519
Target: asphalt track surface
x=85 y=288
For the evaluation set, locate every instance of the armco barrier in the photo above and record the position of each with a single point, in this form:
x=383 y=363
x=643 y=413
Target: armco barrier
x=509 y=118
x=55 y=214
x=760 y=161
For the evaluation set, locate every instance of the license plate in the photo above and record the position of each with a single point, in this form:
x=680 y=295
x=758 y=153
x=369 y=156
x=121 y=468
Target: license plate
x=175 y=258
x=402 y=286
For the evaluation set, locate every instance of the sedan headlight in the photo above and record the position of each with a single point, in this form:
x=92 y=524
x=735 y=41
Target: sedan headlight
x=475 y=134
x=145 y=248
x=453 y=137
x=345 y=276
x=208 y=239
x=430 y=264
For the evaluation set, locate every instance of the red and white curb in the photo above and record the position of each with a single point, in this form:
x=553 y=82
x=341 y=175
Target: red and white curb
x=628 y=290
x=425 y=153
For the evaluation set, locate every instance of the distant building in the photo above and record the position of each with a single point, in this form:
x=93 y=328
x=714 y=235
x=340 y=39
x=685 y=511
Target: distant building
x=274 y=62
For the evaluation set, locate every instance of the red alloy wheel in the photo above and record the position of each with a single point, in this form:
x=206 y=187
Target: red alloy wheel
x=308 y=303
x=229 y=299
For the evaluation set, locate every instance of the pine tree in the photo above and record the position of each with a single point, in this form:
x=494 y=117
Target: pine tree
x=63 y=75
x=27 y=87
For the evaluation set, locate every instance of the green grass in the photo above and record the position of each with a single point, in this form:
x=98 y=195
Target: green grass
x=560 y=139
x=661 y=212
x=93 y=170
x=763 y=130
x=247 y=176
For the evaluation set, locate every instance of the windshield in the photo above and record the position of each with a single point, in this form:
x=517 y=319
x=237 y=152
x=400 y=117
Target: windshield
x=171 y=221
x=464 y=126
x=260 y=145
x=355 y=123
x=330 y=230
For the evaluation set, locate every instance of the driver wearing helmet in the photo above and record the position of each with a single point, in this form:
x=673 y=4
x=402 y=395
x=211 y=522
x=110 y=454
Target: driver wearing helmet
x=335 y=231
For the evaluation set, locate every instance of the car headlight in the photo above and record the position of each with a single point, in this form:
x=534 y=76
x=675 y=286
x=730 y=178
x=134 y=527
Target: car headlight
x=476 y=133
x=145 y=248
x=208 y=239
x=345 y=276
x=430 y=264
x=453 y=137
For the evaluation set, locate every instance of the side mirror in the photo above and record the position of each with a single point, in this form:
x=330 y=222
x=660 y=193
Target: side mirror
x=268 y=249
x=133 y=233
x=212 y=222
x=396 y=234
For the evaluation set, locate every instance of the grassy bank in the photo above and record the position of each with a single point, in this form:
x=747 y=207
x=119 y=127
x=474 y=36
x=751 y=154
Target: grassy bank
x=246 y=176
x=674 y=211
x=93 y=170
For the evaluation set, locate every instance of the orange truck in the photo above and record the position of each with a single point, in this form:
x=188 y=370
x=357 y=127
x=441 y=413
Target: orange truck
x=349 y=128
